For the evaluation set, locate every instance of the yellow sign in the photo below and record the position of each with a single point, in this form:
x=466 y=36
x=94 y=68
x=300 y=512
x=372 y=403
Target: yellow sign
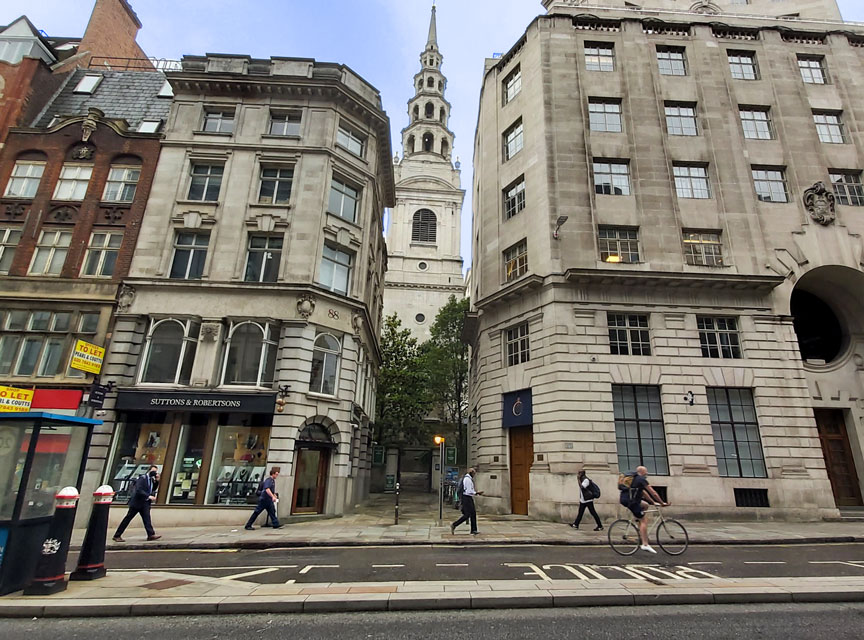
x=87 y=357
x=13 y=399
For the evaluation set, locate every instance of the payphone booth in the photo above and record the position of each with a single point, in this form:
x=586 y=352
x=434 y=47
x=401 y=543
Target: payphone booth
x=40 y=453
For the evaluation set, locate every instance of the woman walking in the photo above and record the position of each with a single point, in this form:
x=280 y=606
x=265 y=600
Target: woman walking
x=586 y=501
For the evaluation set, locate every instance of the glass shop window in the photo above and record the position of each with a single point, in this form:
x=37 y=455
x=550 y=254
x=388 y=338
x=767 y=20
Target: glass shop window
x=142 y=439
x=239 y=459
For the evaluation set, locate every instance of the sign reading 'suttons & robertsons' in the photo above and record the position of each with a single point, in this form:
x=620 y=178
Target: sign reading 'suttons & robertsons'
x=87 y=357
x=13 y=399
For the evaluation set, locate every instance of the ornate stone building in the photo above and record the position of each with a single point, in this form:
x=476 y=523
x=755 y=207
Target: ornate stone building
x=668 y=258
x=424 y=267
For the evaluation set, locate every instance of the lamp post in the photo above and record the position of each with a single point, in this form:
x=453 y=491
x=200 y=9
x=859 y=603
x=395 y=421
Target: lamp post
x=439 y=440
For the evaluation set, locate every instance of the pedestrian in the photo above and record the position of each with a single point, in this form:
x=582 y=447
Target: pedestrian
x=469 y=510
x=143 y=495
x=586 y=501
x=267 y=500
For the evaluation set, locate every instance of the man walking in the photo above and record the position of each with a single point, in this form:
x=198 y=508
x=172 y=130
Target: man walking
x=143 y=495
x=267 y=500
x=632 y=498
x=469 y=511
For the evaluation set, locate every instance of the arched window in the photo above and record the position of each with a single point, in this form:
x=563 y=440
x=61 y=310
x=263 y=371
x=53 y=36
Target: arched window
x=440 y=85
x=410 y=146
x=445 y=148
x=430 y=82
x=428 y=142
x=325 y=364
x=250 y=354
x=430 y=110
x=424 y=227
x=170 y=351
x=416 y=111
x=442 y=114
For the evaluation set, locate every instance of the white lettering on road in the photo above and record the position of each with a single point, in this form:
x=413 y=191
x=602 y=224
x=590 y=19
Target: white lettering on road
x=534 y=569
x=573 y=570
x=309 y=567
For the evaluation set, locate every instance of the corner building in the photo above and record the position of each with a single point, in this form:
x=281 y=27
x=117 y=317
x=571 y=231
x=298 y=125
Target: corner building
x=247 y=331
x=668 y=259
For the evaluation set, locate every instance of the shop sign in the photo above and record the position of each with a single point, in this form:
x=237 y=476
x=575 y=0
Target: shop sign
x=195 y=402
x=97 y=395
x=378 y=455
x=518 y=410
x=87 y=357
x=450 y=455
x=16 y=400
x=390 y=482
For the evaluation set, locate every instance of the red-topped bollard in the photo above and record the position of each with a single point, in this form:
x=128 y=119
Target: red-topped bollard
x=50 y=576
x=91 y=561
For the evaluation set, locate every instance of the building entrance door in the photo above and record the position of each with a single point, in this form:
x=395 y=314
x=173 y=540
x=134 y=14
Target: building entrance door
x=838 y=457
x=310 y=480
x=521 y=458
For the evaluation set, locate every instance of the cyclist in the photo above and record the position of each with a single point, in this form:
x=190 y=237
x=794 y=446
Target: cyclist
x=634 y=499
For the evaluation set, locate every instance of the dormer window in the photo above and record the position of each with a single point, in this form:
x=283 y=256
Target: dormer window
x=166 y=91
x=88 y=83
x=149 y=126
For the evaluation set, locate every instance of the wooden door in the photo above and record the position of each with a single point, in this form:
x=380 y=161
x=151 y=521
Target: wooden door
x=310 y=481
x=838 y=457
x=521 y=458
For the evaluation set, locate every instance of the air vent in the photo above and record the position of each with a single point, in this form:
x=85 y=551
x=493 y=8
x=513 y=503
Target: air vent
x=597 y=25
x=663 y=29
x=751 y=498
x=856 y=41
x=802 y=37
x=726 y=33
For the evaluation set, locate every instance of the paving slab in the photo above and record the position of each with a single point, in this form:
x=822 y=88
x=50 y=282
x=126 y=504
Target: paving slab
x=428 y=601
x=278 y=604
x=324 y=602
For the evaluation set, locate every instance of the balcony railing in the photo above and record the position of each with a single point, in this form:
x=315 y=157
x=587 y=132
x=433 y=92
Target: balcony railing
x=134 y=64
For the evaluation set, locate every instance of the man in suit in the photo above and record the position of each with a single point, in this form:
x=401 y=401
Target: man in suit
x=143 y=495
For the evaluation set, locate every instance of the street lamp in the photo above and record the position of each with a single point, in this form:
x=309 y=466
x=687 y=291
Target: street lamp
x=439 y=440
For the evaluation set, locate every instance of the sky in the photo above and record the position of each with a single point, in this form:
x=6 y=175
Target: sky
x=379 y=39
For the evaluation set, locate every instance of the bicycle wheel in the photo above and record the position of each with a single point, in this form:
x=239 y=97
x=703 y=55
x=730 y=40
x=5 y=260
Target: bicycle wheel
x=623 y=537
x=672 y=537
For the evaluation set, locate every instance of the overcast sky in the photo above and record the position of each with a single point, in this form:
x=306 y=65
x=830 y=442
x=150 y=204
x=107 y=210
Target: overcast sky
x=379 y=39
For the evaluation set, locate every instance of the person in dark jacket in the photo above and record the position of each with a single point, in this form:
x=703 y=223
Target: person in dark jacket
x=586 y=500
x=143 y=495
x=267 y=500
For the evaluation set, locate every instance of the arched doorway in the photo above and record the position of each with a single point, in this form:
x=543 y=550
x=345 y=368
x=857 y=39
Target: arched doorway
x=312 y=462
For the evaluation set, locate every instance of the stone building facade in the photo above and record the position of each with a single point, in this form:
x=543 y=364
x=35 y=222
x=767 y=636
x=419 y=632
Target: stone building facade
x=424 y=267
x=668 y=259
x=247 y=332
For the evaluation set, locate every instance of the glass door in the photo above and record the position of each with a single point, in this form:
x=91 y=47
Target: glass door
x=310 y=480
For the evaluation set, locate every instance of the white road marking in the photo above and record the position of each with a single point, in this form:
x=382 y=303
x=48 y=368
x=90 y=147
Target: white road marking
x=858 y=564
x=387 y=566
x=695 y=563
x=309 y=567
x=249 y=573
x=452 y=564
x=291 y=581
x=758 y=562
x=254 y=566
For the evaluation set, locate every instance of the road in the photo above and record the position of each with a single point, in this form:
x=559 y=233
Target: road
x=507 y=562
x=778 y=621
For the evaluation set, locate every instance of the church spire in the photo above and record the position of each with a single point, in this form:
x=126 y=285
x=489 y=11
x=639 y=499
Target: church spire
x=432 y=40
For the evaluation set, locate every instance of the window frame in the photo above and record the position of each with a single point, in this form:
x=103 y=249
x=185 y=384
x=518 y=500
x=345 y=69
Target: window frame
x=692 y=181
x=595 y=52
x=267 y=353
x=769 y=180
x=623 y=245
x=629 y=333
x=847 y=197
x=830 y=132
x=88 y=83
x=125 y=181
x=217 y=115
x=206 y=181
x=755 y=128
x=514 y=197
x=676 y=121
x=753 y=64
x=342 y=188
x=278 y=181
x=735 y=428
x=75 y=183
x=429 y=227
x=191 y=329
x=192 y=249
x=646 y=415
x=26 y=181
x=104 y=252
x=717 y=340
x=515 y=260
x=287 y=117
x=598 y=170
x=266 y=254
x=52 y=250
x=604 y=124
x=513 y=140
x=9 y=247
x=695 y=253
x=666 y=61
x=338 y=267
x=511 y=86
x=333 y=354
x=517 y=344
x=806 y=70
x=351 y=140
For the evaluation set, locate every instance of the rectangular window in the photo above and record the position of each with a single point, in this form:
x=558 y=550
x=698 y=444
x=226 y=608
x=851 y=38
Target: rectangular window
x=813 y=70
x=275 y=187
x=628 y=334
x=88 y=83
x=518 y=344
x=513 y=140
x=335 y=269
x=263 y=258
x=611 y=177
x=719 y=337
x=121 y=184
x=285 y=124
x=756 y=123
x=847 y=188
x=512 y=84
x=102 y=254
x=514 y=197
x=691 y=181
x=206 y=182
x=516 y=260
x=671 y=61
x=149 y=126
x=770 y=184
x=639 y=433
x=50 y=253
x=190 y=254
x=618 y=244
x=219 y=121
x=32 y=343
x=351 y=141
x=344 y=200
x=24 y=181
x=736 y=433
x=742 y=64
x=165 y=91
x=599 y=56
x=703 y=248
x=604 y=114
x=830 y=127
x=681 y=119
x=73 y=181
x=8 y=243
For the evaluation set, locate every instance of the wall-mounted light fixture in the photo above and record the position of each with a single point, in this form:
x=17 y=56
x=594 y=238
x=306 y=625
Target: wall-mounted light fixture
x=689 y=398
x=282 y=394
x=558 y=223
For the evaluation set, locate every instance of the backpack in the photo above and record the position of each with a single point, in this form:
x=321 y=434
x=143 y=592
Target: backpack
x=625 y=480
x=460 y=489
x=592 y=490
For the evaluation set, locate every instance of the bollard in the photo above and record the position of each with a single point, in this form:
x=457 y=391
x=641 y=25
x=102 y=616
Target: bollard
x=50 y=576
x=397 y=504
x=91 y=561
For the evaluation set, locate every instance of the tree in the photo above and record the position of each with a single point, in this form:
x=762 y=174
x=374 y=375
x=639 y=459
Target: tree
x=446 y=363
x=402 y=387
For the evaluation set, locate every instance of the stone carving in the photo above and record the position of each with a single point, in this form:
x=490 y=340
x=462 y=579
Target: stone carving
x=357 y=323
x=114 y=214
x=820 y=203
x=125 y=298
x=64 y=214
x=705 y=7
x=15 y=210
x=306 y=305
x=209 y=331
x=83 y=152
x=88 y=127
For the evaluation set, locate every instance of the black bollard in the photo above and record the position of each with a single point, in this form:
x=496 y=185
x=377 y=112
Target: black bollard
x=91 y=562
x=396 y=514
x=50 y=574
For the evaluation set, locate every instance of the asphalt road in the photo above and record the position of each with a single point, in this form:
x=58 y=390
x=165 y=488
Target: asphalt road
x=507 y=562
x=777 y=621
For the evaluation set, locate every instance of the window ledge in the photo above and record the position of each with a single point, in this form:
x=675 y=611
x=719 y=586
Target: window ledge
x=322 y=396
x=351 y=153
x=244 y=387
x=221 y=134
x=276 y=136
x=265 y=205
x=198 y=203
x=345 y=220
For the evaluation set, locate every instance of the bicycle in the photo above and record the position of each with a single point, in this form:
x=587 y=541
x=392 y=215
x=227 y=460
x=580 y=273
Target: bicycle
x=670 y=534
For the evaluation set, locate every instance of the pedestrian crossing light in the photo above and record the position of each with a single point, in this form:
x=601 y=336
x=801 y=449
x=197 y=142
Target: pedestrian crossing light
x=439 y=440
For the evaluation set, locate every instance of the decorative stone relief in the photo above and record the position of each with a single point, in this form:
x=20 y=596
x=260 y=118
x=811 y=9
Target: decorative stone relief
x=114 y=214
x=125 y=298
x=820 y=203
x=64 y=213
x=209 y=331
x=14 y=210
x=705 y=7
x=88 y=127
x=83 y=152
x=305 y=305
x=357 y=323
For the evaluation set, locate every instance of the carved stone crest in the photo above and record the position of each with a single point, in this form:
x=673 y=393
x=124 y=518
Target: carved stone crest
x=209 y=331
x=305 y=305
x=820 y=202
x=125 y=298
x=705 y=7
x=83 y=152
x=357 y=323
x=64 y=214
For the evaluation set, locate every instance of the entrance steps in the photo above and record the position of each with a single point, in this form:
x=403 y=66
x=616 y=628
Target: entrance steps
x=852 y=514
